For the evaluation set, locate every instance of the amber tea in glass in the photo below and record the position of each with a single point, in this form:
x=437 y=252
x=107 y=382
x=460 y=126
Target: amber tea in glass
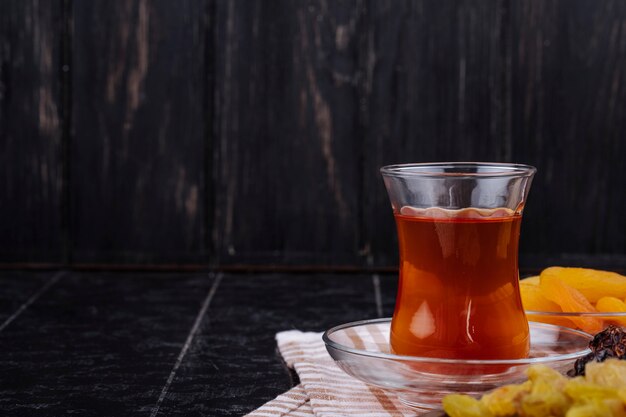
x=458 y=230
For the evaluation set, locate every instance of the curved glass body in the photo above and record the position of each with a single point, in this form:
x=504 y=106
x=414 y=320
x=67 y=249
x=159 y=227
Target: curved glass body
x=458 y=231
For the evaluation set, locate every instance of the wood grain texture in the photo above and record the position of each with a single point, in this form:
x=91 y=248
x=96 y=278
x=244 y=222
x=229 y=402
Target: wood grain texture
x=287 y=152
x=138 y=143
x=235 y=133
x=432 y=91
x=568 y=117
x=31 y=168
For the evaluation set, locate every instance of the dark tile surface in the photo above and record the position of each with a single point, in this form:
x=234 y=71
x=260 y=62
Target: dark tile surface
x=18 y=288
x=96 y=344
x=232 y=366
x=100 y=344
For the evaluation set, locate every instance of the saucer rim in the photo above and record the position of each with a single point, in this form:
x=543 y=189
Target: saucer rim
x=423 y=359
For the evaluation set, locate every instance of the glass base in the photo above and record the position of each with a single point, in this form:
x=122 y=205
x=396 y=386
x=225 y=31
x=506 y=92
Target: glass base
x=420 y=401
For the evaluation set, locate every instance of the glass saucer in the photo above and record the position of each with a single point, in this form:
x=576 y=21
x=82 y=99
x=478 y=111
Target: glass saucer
x=361 y=349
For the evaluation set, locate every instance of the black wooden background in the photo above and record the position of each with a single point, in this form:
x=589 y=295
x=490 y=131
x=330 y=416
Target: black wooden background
x=225 y=133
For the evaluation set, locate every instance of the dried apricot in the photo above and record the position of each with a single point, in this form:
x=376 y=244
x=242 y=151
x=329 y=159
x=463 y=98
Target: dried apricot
x=533 y=300
x=612 y=304
x=530 y=280
x=592 y=283
x=570 y=300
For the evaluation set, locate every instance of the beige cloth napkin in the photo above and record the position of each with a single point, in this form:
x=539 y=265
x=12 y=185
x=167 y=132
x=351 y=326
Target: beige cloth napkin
x=325 y=390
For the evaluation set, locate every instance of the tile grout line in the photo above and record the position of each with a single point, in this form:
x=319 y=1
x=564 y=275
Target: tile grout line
x=377 y=295
x=32 y=299
x=190 y=336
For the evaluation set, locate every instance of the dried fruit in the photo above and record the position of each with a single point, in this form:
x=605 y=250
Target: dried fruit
x=505 y=400
x=592 y=283
x=531 y=280
x=533 y=299
x=597 y=408
x=584 y=390
x=546 y=397
x=570 y=300
x=457 y=405
x=610 y=343
x=575 y=290
x=607 y=374
x=612 y=304
x=601 y=393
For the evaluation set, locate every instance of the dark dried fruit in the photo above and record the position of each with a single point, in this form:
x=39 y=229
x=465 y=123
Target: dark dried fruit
x=609 y=343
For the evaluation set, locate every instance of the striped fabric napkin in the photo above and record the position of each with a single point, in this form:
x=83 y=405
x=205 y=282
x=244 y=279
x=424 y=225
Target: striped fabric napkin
x=325 y=390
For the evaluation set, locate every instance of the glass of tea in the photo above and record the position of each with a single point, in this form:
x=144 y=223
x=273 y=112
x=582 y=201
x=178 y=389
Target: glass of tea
x=458 y=231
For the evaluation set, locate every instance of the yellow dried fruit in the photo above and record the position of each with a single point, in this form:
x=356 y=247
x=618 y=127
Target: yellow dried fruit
x=570 y=300
x=612 y=304
x=567 y=297
x=610 y=373
x=543 y=373
x=621 y=393
x=504 y=401
x=545 y=399
x=602 y=392
x=596 y=408
x=457 y=405
x=534 y=280
x=592 y=283
x=533 y=300
x=575 y=290
x=584 y=391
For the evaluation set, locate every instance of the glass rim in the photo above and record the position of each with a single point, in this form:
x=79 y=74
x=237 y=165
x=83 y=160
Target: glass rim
x=424 y=359
x=435 y=169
